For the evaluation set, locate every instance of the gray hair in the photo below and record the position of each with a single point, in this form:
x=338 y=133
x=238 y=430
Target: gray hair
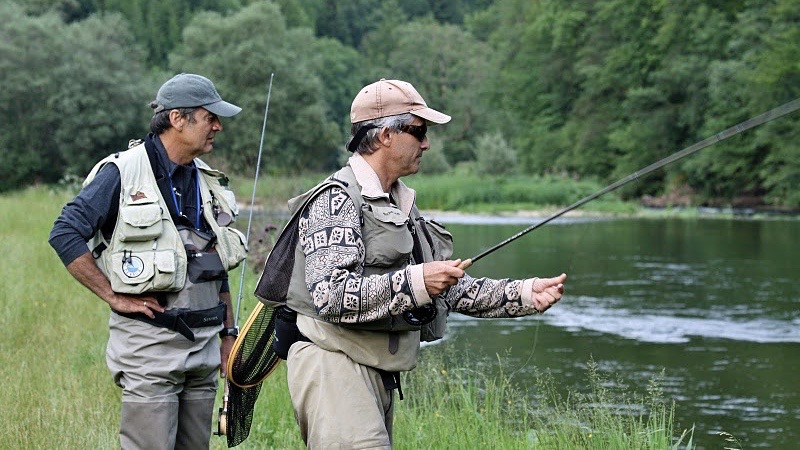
x=369 y=144
x=160 y=121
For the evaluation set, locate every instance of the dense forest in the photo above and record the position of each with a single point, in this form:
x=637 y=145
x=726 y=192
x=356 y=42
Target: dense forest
x=586 y=89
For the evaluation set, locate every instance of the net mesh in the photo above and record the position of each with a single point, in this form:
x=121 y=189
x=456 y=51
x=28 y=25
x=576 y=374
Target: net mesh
x=253 y=358
x=254 y=361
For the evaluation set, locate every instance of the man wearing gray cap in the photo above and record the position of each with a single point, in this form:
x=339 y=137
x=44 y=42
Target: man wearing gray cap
x=150 y=234
x=372 y=278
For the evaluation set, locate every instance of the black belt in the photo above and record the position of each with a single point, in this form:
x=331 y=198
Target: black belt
x=182 y=320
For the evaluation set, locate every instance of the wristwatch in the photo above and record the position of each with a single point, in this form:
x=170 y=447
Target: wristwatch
x=229 y=332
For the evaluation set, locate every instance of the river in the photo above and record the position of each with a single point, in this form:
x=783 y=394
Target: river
x=713 y=303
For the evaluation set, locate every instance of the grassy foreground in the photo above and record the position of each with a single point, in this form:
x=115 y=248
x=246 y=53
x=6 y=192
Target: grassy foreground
x=58 y=394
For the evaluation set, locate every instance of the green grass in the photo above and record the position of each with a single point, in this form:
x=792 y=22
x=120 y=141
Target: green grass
x=57 y=392
x=472 y=193
x=464 y=193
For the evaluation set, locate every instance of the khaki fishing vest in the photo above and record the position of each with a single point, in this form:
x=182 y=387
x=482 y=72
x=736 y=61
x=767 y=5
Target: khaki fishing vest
x=146 y=252
x=390 y=344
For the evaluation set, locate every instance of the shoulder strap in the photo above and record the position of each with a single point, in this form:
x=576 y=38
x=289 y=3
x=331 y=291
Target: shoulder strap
x=273 y=285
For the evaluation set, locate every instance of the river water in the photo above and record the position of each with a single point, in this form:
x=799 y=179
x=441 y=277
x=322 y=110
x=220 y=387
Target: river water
x=713 y=303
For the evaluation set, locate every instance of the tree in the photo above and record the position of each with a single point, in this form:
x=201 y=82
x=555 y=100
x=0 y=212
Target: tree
x=495 y=156
x=103 y=94
x=536 y=47
x=756 y=72
x=303 y=132
x=449 y=68
x=29 y=49
x=71 y=94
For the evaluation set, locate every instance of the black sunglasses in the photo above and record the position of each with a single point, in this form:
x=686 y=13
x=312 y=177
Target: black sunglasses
x=418 y=131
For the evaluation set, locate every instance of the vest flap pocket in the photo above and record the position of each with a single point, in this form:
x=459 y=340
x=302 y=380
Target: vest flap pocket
x=388 y=214
x=133 y=268
x=442 y=240
x=134 y=272
x=230 y=200
x=232 y=247
x=140 y=222
x=141 y=216
x=387 y=239
x=165 y=262
x=140 y=195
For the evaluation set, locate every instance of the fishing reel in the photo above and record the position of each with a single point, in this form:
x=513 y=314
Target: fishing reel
x=421 y=316
x=222 y=424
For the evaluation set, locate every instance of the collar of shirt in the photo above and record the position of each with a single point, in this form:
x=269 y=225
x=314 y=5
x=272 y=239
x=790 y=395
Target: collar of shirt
x=167 y=163
x=182 y=178
x=371 y=185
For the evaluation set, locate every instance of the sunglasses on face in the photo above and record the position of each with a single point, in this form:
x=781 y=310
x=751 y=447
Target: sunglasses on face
x=418 y=131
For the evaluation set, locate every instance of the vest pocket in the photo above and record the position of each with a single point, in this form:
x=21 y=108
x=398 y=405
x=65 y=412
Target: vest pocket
x=442 y=244
x=233 y=247
x=139 y=222
x=135 y=272
x=387 y=239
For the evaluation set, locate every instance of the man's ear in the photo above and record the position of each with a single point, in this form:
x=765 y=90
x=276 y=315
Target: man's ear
x=175 y=119
x=385 y=136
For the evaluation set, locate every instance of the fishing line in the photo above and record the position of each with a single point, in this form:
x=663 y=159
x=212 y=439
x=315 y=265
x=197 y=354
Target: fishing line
x=539 y=318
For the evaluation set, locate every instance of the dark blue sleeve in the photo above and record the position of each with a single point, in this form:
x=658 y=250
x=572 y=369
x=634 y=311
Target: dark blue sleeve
x=225 y=286
x=94 y=208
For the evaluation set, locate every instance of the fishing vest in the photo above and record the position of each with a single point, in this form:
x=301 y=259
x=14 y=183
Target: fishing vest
x=146 y=251
x=391 y=343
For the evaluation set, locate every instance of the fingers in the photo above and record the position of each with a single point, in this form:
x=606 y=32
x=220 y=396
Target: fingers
x=144 y=304
x=540 y=284
x=544 y=301
x=547 y=292
x=440 y=275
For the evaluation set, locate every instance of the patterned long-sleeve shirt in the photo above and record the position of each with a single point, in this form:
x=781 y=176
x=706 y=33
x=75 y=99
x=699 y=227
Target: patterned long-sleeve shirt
x=331 y=238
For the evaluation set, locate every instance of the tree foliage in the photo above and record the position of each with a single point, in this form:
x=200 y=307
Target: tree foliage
x=72 y=94
x=304 y=129
x=585 y=88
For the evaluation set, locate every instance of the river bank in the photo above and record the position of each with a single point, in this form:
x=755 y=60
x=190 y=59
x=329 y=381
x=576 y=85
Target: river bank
x=580 y=215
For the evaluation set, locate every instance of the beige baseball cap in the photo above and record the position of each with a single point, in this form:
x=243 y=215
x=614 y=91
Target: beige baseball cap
x=389 y=98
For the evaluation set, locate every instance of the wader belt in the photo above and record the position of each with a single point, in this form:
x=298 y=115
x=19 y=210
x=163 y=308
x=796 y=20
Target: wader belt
x=182 y=320
x=287 y=333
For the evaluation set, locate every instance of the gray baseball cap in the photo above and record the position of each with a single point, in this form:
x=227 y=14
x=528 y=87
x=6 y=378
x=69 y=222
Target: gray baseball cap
x=187 y=90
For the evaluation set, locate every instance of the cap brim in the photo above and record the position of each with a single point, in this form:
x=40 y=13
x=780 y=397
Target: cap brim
x=223 y=108
x=431 y=115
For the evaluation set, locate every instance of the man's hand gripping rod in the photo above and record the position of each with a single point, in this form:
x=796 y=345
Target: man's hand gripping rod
x=222 y=429
x=760 y=119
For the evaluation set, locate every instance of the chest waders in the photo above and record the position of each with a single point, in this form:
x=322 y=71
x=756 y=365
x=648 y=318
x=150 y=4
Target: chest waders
x=271 y=329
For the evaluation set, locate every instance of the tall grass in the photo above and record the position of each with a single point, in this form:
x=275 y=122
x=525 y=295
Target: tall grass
x=458 y=407
x=58 y=394
x=605 y=417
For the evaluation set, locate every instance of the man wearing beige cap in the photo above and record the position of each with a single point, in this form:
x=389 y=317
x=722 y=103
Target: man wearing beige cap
x=150 y=235
x=372 y=278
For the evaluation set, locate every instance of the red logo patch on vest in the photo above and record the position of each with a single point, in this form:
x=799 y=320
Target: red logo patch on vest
x=138 y=196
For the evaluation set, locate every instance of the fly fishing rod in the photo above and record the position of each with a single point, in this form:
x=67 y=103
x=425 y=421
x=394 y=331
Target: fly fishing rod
x=223 y=411
x=753 y=122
